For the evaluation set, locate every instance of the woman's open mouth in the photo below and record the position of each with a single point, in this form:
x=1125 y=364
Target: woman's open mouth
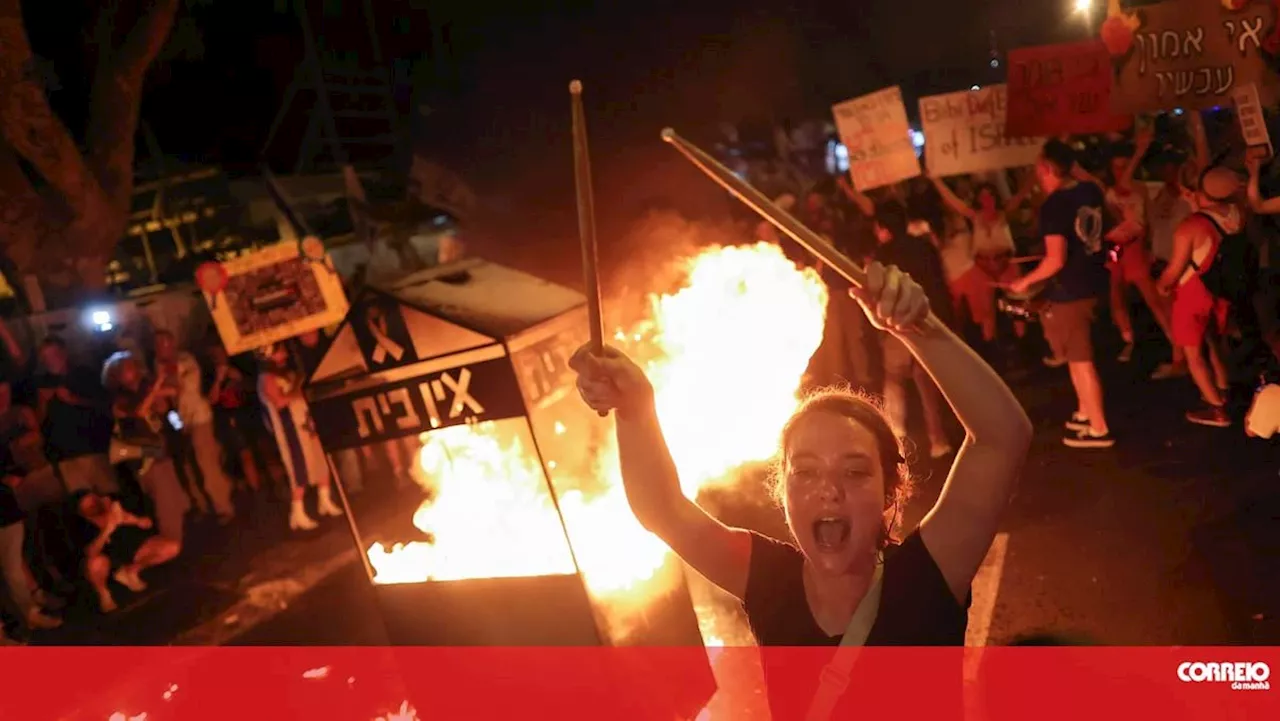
x=831 y=533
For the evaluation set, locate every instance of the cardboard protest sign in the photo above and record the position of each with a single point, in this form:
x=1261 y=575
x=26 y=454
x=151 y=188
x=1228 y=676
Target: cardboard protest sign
x=1188 y=53
x=278 y=292
x=964 y=133
x=1253 y=123
x=1061 y=89
x=875 y=131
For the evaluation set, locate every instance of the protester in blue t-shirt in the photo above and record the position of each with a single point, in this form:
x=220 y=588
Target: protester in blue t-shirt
x=1074 y=275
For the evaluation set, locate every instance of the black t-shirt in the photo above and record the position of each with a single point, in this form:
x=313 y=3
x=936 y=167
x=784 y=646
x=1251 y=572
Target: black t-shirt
x=1077 y=214
x=917 y=608
x=71 y=431
x=917 y=257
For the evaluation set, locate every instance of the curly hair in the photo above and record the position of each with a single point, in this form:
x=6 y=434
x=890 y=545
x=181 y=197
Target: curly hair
x=866 y=411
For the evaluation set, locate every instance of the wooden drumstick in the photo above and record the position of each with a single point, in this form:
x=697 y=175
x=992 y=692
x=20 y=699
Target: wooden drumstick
x=586 y=219
x=784 y=221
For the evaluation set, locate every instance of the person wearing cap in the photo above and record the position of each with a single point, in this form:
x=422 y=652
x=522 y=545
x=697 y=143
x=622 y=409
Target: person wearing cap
x=1072 y=224
x=1195 y=249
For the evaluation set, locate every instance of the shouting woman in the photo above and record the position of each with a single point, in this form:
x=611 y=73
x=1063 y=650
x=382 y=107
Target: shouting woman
x=841 y=479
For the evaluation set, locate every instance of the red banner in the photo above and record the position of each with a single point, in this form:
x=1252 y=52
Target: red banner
x=476 y=684
x=1061 y=89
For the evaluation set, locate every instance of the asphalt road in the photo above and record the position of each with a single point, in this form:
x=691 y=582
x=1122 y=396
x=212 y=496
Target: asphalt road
x=1166 y=539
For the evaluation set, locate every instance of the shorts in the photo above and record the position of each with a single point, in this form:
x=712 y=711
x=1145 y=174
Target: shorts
x=1193 y=308
x=124 y=545
x=1134 y=264
x=1069 y=329
x=998 y=267
x=897 y=357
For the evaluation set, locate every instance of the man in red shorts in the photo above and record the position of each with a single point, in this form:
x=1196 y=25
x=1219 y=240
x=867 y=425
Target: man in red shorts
x=1195 y=249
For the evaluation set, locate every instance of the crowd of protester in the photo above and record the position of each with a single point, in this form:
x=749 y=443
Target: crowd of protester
x=1183 y=230
x=1054 y=245
x=107 y=463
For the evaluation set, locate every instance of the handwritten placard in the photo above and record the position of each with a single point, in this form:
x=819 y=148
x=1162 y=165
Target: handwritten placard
x=964 y=133
x=1187 y=53
x=1253 y=123
x=875 y=131
x=1061 y=89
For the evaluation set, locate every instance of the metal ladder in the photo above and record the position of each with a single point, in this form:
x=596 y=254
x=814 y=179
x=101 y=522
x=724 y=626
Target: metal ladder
x=354 y=119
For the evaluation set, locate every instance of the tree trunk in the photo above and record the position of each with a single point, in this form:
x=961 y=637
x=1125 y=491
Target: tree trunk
x=65 y=229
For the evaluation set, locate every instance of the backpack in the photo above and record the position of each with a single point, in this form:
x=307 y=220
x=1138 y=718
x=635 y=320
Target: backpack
x=1232 y=275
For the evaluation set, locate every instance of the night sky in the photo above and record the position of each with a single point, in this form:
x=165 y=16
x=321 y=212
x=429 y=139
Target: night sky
x=499 y=96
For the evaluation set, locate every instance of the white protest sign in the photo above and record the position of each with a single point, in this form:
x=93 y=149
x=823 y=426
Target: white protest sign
x=875 y=131
x=1253 y=124
x=964 y=133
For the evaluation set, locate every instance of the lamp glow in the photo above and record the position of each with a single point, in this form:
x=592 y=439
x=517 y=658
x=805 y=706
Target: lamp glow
x=1084 y=6
x=101 y=320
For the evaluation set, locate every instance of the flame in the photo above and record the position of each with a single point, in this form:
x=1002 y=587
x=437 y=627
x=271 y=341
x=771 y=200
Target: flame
x=726 y=353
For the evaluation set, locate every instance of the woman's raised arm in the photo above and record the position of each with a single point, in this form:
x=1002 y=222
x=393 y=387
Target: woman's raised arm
x=612 y=382
x=960 y=528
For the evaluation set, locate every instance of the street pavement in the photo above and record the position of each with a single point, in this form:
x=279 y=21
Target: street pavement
x=1169 y=538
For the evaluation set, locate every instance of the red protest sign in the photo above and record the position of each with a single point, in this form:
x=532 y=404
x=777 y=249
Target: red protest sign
x=1061 y=89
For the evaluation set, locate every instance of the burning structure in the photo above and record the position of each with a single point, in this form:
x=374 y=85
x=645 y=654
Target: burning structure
x=524 y=535
x=471 y=359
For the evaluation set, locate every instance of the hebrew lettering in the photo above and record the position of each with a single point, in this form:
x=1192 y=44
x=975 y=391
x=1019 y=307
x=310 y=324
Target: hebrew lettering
x=1182 y=85
x=1204 y=81
x=1193 y=37
x=1226 y=78
x=1249 y=31
x=429 y=401
x=461 y=393
x=408 y=417
x=366 y=412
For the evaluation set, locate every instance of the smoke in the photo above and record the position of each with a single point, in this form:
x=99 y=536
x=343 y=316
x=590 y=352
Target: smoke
x=657 y=248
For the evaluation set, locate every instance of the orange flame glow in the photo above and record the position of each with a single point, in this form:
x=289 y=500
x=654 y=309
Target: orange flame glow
x=725 y=353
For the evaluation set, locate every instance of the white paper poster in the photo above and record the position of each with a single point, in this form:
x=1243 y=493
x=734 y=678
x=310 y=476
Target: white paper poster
x=964 y=133
x=1253 y=124
x=875 y=131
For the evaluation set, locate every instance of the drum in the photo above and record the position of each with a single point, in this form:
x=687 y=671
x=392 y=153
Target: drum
x=1025 y=306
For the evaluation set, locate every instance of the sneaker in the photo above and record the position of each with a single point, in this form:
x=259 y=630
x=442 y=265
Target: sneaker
x=1165 y=371
x=1087 y=438
x=1126 y=353
x=1077 y=423
x=1214 y=416
x=1053 y=362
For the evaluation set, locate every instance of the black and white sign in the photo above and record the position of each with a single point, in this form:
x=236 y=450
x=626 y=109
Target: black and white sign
x=479 y=392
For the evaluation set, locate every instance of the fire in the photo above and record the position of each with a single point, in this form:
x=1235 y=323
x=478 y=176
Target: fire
x=725 y=353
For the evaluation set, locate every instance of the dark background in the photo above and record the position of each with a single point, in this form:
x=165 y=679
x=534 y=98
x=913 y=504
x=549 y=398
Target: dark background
x=495 y=77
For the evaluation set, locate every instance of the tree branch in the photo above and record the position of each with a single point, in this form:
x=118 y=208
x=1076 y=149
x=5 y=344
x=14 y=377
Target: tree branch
x=116 y=99
x=30 y=126
x=21 y=212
